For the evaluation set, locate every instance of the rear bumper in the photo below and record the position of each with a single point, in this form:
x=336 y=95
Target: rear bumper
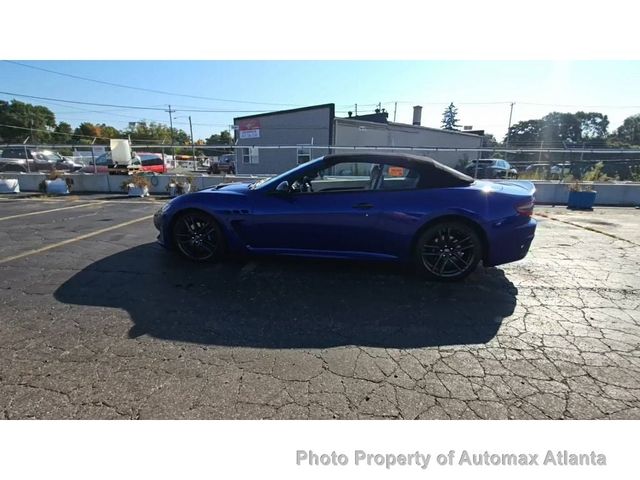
x=510 y=244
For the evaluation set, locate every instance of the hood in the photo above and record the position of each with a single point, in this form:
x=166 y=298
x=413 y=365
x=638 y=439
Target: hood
x=229 y=188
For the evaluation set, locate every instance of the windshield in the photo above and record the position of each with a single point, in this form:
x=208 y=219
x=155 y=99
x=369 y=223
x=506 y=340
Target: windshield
x=266 y=182
x=51 y=156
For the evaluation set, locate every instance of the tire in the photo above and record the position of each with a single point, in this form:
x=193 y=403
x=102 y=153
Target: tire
x=198 y=237
x=448 y=251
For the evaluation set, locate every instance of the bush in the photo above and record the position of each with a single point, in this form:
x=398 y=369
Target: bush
x=136 y=180
x=55 y=175
x=594 y=174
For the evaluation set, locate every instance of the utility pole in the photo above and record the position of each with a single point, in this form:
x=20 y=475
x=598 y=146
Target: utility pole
x=508 y=131
x=173 y=146
x=26 y=155
x=540 y=154
x=395 y=108
x=193 y=147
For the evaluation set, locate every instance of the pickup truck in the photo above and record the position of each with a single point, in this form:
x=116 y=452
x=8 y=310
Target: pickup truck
x=21 y=159
x=148 y=162
x=224 y=164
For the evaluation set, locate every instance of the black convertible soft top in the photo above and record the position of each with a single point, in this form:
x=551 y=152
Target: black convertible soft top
x=433 y=174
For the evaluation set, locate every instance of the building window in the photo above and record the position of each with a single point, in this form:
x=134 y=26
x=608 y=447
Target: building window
x=250 y=155
x=304 y=154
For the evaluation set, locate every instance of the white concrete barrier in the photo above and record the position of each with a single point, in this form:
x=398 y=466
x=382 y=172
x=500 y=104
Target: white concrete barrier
x=9 y=185
x=609 y=194
x=553 y=193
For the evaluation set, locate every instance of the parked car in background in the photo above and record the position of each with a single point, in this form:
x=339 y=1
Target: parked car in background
x=104 y=164
x=21 y=159
x=537 y=170
x=491 y=168
x=402 y=208
x=537 y=167
x=224 y=164
x=148 y=162
x=560 y=170
x=68 y=165
x=99 y=165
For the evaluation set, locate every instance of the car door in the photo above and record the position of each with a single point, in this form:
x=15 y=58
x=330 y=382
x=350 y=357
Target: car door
x=322 y=222
x=338 y=213
x=41 y=162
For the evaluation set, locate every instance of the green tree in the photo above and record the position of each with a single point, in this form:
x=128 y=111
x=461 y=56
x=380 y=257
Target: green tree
x=489 y=141
x=558 y=128
x=63 y=133
x=107 y=131
x=222 y=138
x=154 y=132
x=629 y=132
x=525 y=133
x=20 y=120
x=593 y=125
x=86 y=132
x=450 y=118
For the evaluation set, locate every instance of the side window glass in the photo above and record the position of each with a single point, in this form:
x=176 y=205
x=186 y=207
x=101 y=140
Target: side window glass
x=395 y=177
x=341 y=177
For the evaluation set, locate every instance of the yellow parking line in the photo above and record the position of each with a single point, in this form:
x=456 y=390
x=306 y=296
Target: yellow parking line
x=75 y=239
x=20 y=215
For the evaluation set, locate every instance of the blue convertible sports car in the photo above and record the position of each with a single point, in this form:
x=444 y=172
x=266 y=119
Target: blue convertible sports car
x=359 y=206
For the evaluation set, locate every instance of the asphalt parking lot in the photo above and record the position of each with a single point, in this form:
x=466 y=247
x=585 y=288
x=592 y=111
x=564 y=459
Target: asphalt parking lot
x=97 y=321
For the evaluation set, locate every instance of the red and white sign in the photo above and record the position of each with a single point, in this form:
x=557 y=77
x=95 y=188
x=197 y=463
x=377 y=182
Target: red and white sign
x=249 y=128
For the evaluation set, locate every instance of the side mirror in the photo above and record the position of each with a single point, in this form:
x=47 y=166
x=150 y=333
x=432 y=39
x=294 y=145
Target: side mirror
x=283 y=187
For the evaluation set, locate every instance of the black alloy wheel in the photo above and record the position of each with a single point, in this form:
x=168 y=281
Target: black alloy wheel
x=198 y=237
x=448 y=251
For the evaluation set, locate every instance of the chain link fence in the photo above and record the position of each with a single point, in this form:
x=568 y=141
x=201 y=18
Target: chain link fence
x=552 y=164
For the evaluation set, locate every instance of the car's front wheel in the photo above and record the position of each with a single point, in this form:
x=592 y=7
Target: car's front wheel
x=448 y=251
x=198 y=237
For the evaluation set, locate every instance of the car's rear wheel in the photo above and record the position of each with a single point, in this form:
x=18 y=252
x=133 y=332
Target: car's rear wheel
x=448 y=251
x=198 y=237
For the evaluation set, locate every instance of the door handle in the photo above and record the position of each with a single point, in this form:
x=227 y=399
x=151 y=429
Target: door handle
x=363 y=206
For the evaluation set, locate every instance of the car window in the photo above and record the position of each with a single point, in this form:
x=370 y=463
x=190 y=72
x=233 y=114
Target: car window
x=395 y=177
x=103 y=159
x=13 y=153
x=146 y=162
x=347 y=176
x=357 y=176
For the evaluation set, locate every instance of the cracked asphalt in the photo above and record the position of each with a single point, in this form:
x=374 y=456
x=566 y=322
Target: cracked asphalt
x=111 y=326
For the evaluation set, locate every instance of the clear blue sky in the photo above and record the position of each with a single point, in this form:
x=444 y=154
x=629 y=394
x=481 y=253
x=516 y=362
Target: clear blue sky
x=611 y=87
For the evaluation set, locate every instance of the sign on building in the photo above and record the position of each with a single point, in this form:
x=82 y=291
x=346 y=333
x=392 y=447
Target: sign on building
x=249 y=128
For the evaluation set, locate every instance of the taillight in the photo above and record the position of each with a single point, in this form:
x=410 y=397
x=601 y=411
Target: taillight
x=526 y=209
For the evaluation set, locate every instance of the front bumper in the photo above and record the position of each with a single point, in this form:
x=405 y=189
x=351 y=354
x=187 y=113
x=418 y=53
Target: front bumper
x=159 y=222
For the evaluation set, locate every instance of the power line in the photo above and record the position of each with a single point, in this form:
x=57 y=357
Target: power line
x=127 y=107
x=577 y=106
x=52 y=132
x=447 y=103
x=150 y=90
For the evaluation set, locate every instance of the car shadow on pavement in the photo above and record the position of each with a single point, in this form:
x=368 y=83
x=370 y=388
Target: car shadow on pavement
x=291 y=302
